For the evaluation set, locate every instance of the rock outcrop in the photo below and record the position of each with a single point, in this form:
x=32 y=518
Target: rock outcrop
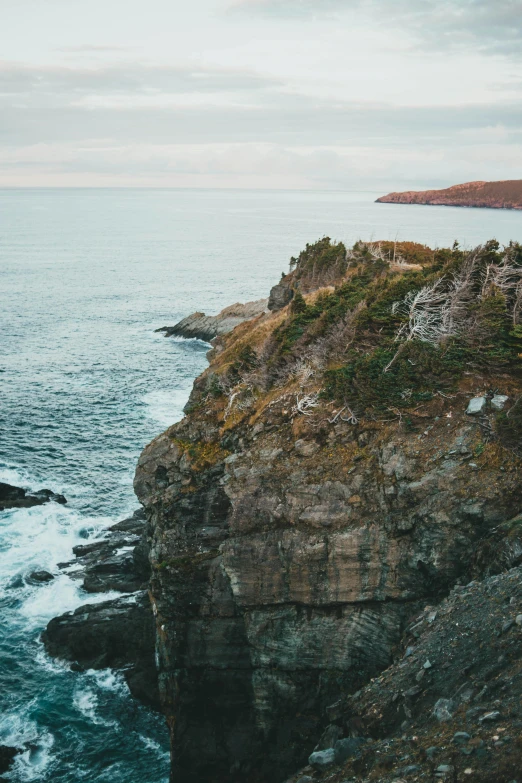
x=493 y=195
x=16 y=497
x=119 y=633
x=207 y=327
x=299 y=518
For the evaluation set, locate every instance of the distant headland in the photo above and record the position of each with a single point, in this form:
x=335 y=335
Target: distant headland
x=506 y=194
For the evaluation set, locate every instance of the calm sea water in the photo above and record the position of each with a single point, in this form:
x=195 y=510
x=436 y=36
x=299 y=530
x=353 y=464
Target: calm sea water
x=85 y=278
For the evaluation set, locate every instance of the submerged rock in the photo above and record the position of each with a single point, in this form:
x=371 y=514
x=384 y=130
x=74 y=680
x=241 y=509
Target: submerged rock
x=41 y=576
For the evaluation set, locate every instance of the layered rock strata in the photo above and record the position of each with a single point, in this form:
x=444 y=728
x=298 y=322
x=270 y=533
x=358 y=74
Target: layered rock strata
x=286 y=563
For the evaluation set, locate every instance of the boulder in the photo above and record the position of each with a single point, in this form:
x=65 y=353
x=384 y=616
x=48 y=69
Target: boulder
x=321 y=759
x=41 y=576
x=476 y=406
x=498 y=401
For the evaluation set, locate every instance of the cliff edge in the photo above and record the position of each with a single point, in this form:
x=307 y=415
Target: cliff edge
x=346 y=459
x=506 y=194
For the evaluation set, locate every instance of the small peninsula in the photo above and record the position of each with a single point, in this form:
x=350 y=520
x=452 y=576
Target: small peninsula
x=506 y=194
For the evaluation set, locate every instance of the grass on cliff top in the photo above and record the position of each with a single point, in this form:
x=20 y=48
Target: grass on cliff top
x=357 y=337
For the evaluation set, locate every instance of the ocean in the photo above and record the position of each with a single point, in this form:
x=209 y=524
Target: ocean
x=86 y=276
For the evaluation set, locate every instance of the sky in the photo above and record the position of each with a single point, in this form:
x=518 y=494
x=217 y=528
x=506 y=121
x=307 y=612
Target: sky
x=373 y=95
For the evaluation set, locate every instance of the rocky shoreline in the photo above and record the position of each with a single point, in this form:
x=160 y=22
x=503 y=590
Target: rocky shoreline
x=16 y=497
x=208 y=327
x=118 y=633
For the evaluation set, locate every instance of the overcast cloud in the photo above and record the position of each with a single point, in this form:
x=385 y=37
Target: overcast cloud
x=343 y=94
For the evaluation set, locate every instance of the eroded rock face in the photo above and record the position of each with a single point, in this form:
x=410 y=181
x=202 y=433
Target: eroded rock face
x=284 y=577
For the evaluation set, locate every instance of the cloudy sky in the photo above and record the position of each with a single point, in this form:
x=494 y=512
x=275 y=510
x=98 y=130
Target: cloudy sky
x=332 y=94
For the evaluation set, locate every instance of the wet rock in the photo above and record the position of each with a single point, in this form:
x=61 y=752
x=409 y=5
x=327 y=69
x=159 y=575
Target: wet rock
x=119 y=561
x=41 y=576
x=476 y=406
x=118 y=634
x=7 y=756
x=16 y=497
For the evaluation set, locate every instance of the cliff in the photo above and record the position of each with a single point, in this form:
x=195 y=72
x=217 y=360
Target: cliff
x=346 y=459
x=506 y=194
x=449 y=709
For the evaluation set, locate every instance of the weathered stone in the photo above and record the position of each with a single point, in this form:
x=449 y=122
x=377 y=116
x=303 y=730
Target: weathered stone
x=476 y=405
x=306 y=448
x=321 y=759
x=498 y=401
x=443 y=710
x=280 y=295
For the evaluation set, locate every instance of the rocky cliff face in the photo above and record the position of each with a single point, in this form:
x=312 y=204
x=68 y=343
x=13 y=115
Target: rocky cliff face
x=294 y=529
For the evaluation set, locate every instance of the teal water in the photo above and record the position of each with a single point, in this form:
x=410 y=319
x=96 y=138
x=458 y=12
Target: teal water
x=85 y=278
